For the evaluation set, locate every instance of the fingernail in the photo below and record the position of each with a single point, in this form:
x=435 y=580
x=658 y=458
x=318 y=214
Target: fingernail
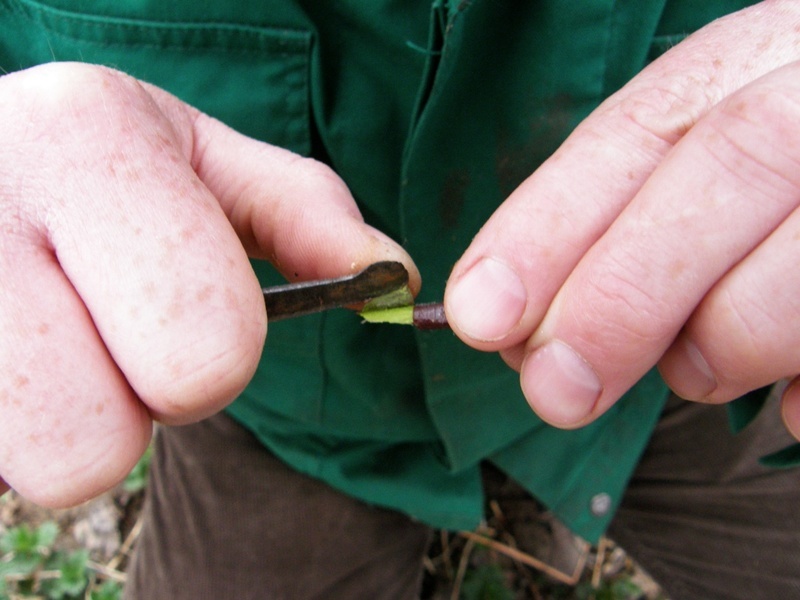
x=686 y=370
x=488 y=301
x=561 y=387
x=790 y=408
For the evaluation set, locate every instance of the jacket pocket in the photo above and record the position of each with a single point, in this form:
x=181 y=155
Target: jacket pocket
x=253 y=78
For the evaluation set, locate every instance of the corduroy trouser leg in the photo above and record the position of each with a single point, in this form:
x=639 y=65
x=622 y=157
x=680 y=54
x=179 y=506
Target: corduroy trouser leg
x=226 y=519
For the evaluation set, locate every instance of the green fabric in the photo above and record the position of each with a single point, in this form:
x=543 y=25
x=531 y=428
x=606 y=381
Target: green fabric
x=743 y=410
x=432 y=112
x=787 y=458
x=741 y=413
x=266 y=67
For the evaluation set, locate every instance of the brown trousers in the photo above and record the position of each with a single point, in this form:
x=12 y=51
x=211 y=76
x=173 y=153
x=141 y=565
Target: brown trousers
x=225 y=519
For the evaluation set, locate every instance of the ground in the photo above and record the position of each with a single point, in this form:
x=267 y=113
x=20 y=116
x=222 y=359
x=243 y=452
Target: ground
x=487 y=564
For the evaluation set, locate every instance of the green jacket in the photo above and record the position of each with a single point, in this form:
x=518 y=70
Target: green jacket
x=432 y=112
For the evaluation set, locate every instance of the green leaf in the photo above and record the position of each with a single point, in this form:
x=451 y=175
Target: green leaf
x=396 y=307
x=21 y=565
x=401 y=315
x=625 y=588
x=137 y=478
x=110 y=590
x=486 y=583
x=19 y=540
x=23 y=540
x=617 y=589
x=400 y=297
x=73 y=579
x=46 y=535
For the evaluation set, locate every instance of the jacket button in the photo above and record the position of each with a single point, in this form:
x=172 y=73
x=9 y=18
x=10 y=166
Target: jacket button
x=600 y=504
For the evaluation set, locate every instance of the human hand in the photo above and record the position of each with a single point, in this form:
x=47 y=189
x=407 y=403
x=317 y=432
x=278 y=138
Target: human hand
x=126 y=220
x=664 y=231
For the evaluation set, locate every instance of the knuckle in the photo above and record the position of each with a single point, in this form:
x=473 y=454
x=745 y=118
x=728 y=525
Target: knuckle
x=622 y=315
x=666 y=105
x=63 y=93
x=746 y=336
x=321 y=181
x=753 y=135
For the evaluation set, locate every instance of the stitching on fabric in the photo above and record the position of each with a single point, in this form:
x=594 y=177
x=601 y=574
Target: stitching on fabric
x=178 y=47
x=296 y=48
x=142 y=24
x=229 y=38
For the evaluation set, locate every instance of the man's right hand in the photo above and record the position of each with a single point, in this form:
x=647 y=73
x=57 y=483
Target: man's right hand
x=126 y=221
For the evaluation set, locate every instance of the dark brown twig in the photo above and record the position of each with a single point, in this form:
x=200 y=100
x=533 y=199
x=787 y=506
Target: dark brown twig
x=430 y=316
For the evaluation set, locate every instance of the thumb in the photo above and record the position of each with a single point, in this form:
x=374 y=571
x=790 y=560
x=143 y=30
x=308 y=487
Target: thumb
x=127 y=292
x=293 y=211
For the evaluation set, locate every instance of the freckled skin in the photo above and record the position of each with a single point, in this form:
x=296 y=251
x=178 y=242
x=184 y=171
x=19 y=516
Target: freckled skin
x=126 y=250
x=176 y=309
x=205 y=293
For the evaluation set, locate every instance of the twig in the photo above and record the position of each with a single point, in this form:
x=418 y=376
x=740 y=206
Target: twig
x=36 y=576
x=106 y=571
x=462 y=569
x=597 y=571
x=497 y=512
x=130 y=540
x=446 y=555
x=430 y=567
x=527 y=559
x=522 y=570
x=430 y=316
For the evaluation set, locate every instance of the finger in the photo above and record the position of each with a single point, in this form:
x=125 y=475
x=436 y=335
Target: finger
x=501 y=288
x=727 y=185
x=294 y=211
x=790 y=407
x=514 y=356
x=71 y=427
x=743 y=334
x=140 y=238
